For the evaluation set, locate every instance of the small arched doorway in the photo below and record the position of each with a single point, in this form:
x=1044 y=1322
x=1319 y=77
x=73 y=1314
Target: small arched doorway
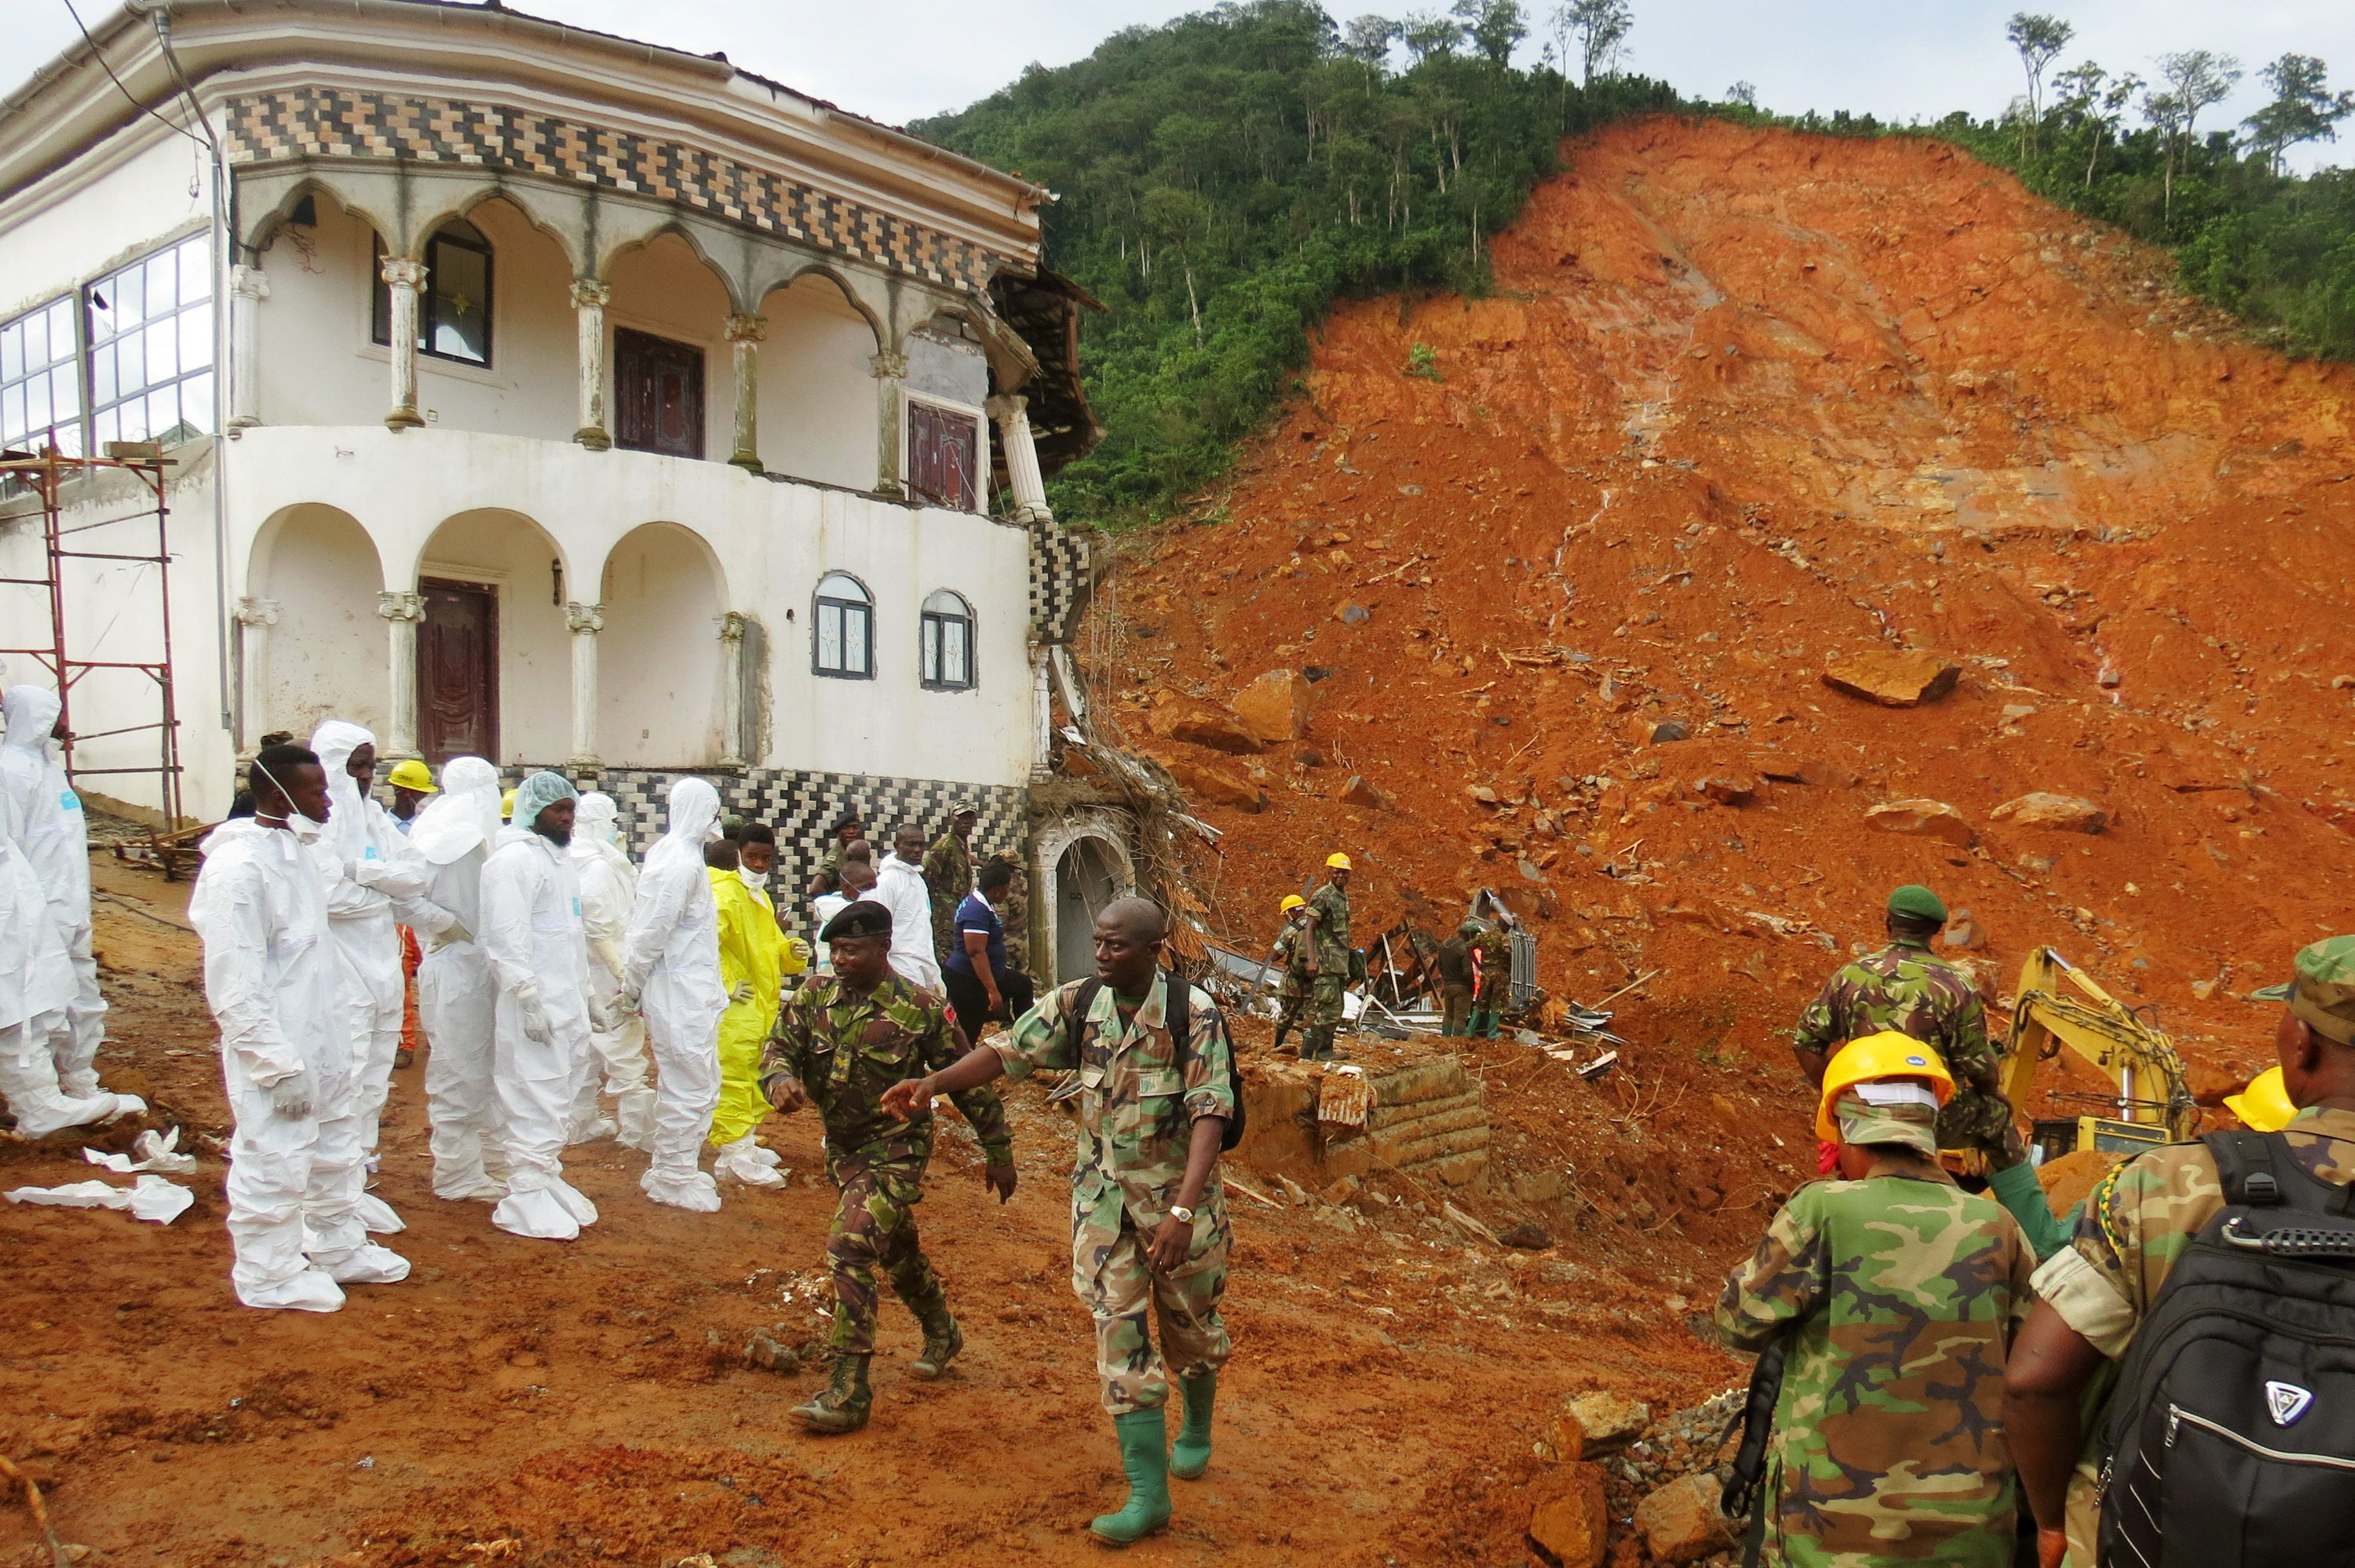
x=1080 y=864
x=1085 y=881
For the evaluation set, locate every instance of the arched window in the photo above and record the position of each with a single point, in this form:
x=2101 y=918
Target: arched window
x=453 y=313
x=947 y=652
x=843 y=631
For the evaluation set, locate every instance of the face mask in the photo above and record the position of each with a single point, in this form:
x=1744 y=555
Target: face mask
x=304 y=830
x=758 y=881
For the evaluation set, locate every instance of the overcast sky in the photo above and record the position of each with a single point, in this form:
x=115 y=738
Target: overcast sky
x=899 y=60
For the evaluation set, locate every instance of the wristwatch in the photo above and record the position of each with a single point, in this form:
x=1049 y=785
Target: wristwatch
x=1182 y=1213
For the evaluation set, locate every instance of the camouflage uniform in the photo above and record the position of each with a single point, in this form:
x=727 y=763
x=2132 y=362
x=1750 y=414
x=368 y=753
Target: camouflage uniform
x=1137 y=1109
x=1290 y=953
x=1905 y=1294
x=2134 y=1227
x=1452 y=966
x=845 y=1050
x=1904 y=987
x=1330 y=938
x=1496 y=950
x=948 y=874
x=829 y=866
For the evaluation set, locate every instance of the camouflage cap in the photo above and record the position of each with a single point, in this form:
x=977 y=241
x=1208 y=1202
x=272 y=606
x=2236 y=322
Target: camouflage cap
x=1915 y=1126
x=864 y=918
x=1917 y=901
x=2321 y=992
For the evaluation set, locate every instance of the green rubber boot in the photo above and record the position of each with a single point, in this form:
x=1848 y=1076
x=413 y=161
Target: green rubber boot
x=1190 y=1455
x=943 y=1341
x=843 y=1405
x=1143 y=1454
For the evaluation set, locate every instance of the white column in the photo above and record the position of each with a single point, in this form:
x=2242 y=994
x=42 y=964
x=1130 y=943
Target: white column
x=1012 y=413
x=585 y=620
x=888 y=370
x=255 y=616
x=1042 y=709
x=249 y=286
x=404 y=277
x=732 y=746
x=403 y=612
x=744 y=333
x=589 y=299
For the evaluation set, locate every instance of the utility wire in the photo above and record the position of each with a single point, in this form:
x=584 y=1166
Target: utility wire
x=100 y=54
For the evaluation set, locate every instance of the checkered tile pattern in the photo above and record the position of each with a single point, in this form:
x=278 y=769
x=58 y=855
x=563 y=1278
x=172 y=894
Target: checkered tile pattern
x=1059 y=582
x=328 y=123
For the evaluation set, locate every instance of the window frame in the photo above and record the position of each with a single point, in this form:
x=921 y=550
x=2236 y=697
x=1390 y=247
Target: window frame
x=820 y=602
x=982 y=455
x=77 y=361
x=429 y=299
x=930 y=626
x=95 y=408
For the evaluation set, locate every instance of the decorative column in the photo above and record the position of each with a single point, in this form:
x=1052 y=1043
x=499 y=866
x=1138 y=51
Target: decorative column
x=255 y=616
x=888 y=370
x=249 y=286
x=589 y=299
x=404 y=277
x=403 y=612
x=731 y=689
x=1012 y=412
x=1042 y=717
x=585 y=620
x=744 y=335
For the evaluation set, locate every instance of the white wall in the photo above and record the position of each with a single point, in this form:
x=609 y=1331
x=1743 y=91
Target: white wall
x=821 y=407
x=508 y=552
x=658 y=656
x=122 y=213
x=324 y=657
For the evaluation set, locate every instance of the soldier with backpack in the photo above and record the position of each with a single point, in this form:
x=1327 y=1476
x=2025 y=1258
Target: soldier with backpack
x=1154 y=1082
x=2219 y=1278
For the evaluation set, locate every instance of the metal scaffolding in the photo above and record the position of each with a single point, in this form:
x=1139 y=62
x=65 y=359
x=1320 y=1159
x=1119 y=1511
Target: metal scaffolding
x=46 y=475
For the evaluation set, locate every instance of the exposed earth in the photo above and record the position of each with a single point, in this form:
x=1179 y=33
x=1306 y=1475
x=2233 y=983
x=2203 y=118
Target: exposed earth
x=1741 y=403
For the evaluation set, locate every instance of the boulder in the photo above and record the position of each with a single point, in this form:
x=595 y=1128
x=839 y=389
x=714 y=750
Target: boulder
x=1197 y=723
x=1219 y=782
x=2062 y=813
x=1592 y=1426
x=1921 y=819
x=1728 y=788
x=1682 y=1520
x=1275 y=706
x=1357 y=792
x=1570 y=1519
x=1895 y=678
x=1659 y=732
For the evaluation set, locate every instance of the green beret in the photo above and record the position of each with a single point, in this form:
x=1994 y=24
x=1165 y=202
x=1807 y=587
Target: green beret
x=864 y=918
x=2322 y=990
x=1917 y=901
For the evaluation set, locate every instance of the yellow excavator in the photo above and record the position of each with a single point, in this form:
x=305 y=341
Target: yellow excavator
x=2153 y=1104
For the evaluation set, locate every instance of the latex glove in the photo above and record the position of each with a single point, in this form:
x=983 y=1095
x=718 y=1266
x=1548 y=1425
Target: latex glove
x=609 y=953
x=291 y=1097
x=602 y=1018
x=533 y=1015
x=743 y=991
x=455 y=931
x=627 y=1002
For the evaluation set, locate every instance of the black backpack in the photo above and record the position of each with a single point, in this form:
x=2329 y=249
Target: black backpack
x=2232 y=1435
x=1176 y=1014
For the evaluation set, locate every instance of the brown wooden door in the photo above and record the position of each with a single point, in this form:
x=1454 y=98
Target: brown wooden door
x=942 y=448
x=458 y=671
x=657 y=395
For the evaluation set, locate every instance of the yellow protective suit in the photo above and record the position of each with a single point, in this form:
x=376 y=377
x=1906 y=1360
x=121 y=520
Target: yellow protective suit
x=751 y=948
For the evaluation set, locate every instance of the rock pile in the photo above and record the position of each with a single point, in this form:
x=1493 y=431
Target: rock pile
x=1654 y=1483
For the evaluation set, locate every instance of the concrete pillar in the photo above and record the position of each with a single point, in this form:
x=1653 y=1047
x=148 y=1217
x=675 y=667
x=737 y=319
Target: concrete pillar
x=1012 y=413
x=732 y=744
x=589 y=299
x=255 y=616
x=404 y=277
x=585 y=622
x=1042 y=716
x=887 y=370
x=249 y=286
x=744 y=333
x=403 y=612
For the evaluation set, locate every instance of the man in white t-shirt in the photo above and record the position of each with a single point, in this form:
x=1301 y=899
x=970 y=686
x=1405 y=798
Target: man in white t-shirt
x=899 y=886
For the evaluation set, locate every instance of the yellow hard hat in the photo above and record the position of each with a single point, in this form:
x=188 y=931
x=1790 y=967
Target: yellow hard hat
x=413 y=775
x=506 y=806
x=1337 y=861
x=1292 y=901
x=1870 y=1058
x=2263 y=1106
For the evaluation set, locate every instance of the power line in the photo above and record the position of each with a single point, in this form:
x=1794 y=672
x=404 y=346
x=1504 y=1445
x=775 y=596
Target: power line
x=100 y=54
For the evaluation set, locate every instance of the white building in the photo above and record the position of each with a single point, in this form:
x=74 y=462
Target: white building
x=577 y=402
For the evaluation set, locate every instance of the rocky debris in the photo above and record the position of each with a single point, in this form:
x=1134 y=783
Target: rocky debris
x=1354 y=614
x=1895 y=678
x=1728 y=788
x=1198 y=723
x=1570 y=1522
x=1921 y=819
x=1591 y=1426
x=1357 y=792
x=1275 y=706
x=1526 y=1237
x=2062 y=813
x=1659 y=732
x=770 y=1352
x=1682 y=1521
x=1218 y=782
x=1309 y=757
x=1962 y=931
x=1482 y=793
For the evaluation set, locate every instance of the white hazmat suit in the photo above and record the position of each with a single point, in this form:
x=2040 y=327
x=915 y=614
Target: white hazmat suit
x=40 y=809
x=294 y=1175
x=37 y=982
x=456 y=1001
x=609 y=888
x=671 y=966
x=900 y=887
x=538 y=954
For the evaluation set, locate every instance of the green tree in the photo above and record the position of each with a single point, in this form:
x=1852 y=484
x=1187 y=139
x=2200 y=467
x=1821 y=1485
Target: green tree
x=2196 y=79
x=2303 y=109
x=2040 y=40
x=1600 y=26
x=1495 y=26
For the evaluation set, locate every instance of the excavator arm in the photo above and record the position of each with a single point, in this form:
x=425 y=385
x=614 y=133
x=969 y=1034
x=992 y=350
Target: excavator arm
x=2060 y=1008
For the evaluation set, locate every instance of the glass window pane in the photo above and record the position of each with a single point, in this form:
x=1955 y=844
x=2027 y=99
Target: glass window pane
x=195 y=339
x=928 y=649
x=61 y=330
x=37 y=342
x=196 y=270
x=11 y=352
x=829 y=637
x=854 y=642
x=104 y=428
x=134 y=417
x=130 y=368
x=101 y=374
x=36 y=402
x=126 y=293
x=163 y=412
x=462 y=297
x=163 y=283
x=12 y=414
x=953 y=659
x=68 y=438
x=163 y=349
x=196 y=403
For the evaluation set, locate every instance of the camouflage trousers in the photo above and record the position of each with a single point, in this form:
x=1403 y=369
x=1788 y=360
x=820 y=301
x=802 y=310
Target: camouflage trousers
x=875 y=1226
x=1119 y=1286
x=1291 y=1002
x=1454 y=1011
x=1324 y=1000
x=1974 y=1118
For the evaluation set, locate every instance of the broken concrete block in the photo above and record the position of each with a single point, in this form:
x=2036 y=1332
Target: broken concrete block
x=1921 y=819
x=1682 y=1520
x=1197 y=723
x=1357 y=792
x=1275 y=706
x=1895 y=678
x=1593 y=1425
x=1571 y=1517
x=1340 y=1192
x=2062 y=813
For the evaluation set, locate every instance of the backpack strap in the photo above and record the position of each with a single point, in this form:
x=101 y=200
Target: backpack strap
x=1075 y=1020
x=2244 y=1168
x=1176 y=1012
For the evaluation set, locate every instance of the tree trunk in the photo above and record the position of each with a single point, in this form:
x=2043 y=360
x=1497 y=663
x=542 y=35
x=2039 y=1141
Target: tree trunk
x=1192 y=303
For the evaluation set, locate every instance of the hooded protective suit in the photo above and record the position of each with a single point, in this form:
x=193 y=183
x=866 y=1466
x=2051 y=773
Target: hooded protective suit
x=376 y=882
x=539 y=955
x=900 y=887
x=671 y=964
x=456 y=1002
x=295 y=1172
x=752 y=968
x=35 y=984
x=40 y=809
x=609 y=887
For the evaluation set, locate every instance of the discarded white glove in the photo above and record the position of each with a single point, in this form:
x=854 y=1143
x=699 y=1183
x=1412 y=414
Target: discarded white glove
x=743 y=991
x=151 y=1198
x=291 y=1097
x=533 y=1016
x=150 y=1151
